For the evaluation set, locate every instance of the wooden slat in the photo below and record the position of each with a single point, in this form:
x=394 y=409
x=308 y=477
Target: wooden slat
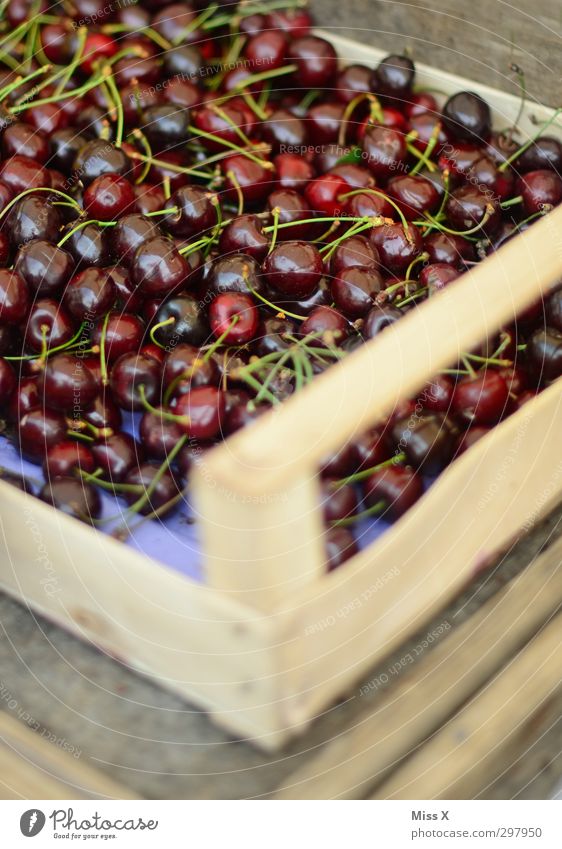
x=472 y=749
x=32 y=768
x=439 y=682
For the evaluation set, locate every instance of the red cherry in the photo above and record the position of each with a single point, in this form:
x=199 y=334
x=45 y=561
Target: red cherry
x=205 y=408
x=97 y=46
x=323 y=193
x=229 y=306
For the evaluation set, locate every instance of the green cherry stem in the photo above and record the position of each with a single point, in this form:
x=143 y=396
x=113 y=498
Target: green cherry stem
x=505 y=165
x=152 y=34
x=8 y=89
x=238 y=189
x=81 y=226
x=386 y=198
x=68 y=198
x=116 y=97
x=156 y=327
x=275 y=212
x=165 y=414
x=103 y=357
x=375 y=510
x=231 y=146
x=64 y=347
x=424 y=159
x=366 y=473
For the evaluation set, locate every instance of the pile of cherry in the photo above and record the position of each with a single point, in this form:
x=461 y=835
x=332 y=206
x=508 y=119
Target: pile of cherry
x=200 y=210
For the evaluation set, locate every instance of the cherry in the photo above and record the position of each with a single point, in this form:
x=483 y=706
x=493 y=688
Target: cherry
x=540 y=190
x=130 y=372
x=354 y=251
x=73 y=497
x=185 y=60
x=14 y=297
x=21 y=173
x=108 y=197
x=545 y=152
x=196 y=214
x=323 y=122
x=414 y=195
x=291 y=207
x=25 y=140
x=293 y=172
x=221 y=125
x=544 y=353
x=186 y=323
x=448 y=249
x=419 y=103
x=89 y=294
x=234 y=273
x=385 y=150
x=67 y=384
x=378 y=319
x=64 y=146
x=394 y=77
x=97 y=158
x=143 y=69
x=56 y=43
x=330 y=326
x=252 y=179
x=38 y=430
x=158 y=268
x=150 y=198
x=204 y=407
x=116 y=455
x=365 y=204
x=33 y=218
x=482 y=399
x=229 y=306
x=89 y=246
x=398 y=487
x=124 y=333
x=161 y=493
x=351 y=81
x=469 y=207
x=323 y=193
x=245 y=235
x=553 y=309
x=294 y=268
x=338 y=501
x=173 y=20
x=166 y=126
x=371 y=449
x=340 y=546
x=467 y=117
x=103 y=413
x=354 y=290
x=129 y=233
x=185 y=364
x=437 y=275
x=428 y=441
x=267 y=48
x=438 y=394
x=44 y=267
x=96 y=47
x=64 y=458
x=316 y=61
x=159 y=435
x=397 y=246
x=7 y=382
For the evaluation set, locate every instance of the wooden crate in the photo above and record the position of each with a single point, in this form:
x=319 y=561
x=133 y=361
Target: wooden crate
x=269 y=639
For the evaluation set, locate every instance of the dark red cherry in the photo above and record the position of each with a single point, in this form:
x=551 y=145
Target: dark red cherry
x=245 y=235
x=220 y=124
x=74 y=497
x=38 y=430
x=166 y=126
x=540 y=190
x=438 y=394
x=328 y=325
x=89 y=294
x=7 y=383
x=99 y=157
x=448 y=249
x=196 y=213
x=236 y=315
x=25 y=140
x=378 y=319
x=427 y=440
x=371 y=449
x=204 y=408
x=481 y=400
x=150 y=198
x=267 y=48
x=291 y=207
x=185 y=363
x=234 y=273
x=123 y=333
x=90 y=245
x=437 y=275
x=394 y=77
x=467 y=117
x=25 y=398
x=63 y=459
x=468 y=207
x=365 y=204
x=544 y=353
x=553 y=310
x=48 y=324
x=64 y=148
x=45 y=267
x=186 y=323
x=385 y=151
x=340 y=546
x=159 y=493
x=158 y=268
x=323 y=122
x=33 y=218
x=338 y=501
x=545 y=152
x=14 y=297
x=316 y=62
x=323 y=194
x=293 y=21
x=293 y=172
x=97 y=47
x=397 y=246
x=48 y=117
x=419 y=103
x=354 y=251
x=158 y=434
x=184 y=61
x=21 y=173
x=129 y=233
x=294 y=268
x=255 y=181
x=174 y=21
x=129 y=373
x=414 y=195
x=67 y=384
x=116 y=455
x=354 y=290
x=108 y=197
x=103 y=414
x=351 y=81
x=56 y=43
x=398 y=487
